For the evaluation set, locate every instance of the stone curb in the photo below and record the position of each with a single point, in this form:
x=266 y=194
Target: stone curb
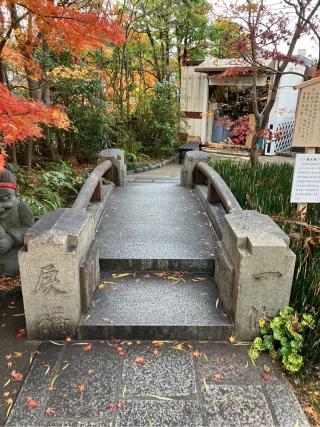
x=144 y=167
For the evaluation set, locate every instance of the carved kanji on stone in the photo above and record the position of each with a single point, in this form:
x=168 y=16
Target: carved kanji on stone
x=54 y=324
x=48 y=282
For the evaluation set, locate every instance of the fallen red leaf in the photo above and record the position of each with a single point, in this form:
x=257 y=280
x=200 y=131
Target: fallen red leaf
x=115 y=406
x=158 y=343
x=16 y=376
x=112 y=406
x=49 y=412
x=68 y=339
x=87 y=347
x=32 y=403
x=140 y=360
x=20 y=334
x=80 y=388
x=217 y=376
x=265 y=376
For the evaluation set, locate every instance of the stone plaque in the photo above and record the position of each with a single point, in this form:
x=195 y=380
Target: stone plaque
x=306 y=179
x=307 y=123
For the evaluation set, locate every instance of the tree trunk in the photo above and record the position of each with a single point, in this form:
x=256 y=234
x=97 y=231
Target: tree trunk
x=34 y=95
x=2 y=73
x=47 y=148
x=254 y=155
x=28 y=155
x=14 y=155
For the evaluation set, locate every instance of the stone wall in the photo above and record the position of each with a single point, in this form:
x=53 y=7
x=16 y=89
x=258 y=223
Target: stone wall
x=254 y=265
x=59 y=263
x=253 y=270
x=50 y=272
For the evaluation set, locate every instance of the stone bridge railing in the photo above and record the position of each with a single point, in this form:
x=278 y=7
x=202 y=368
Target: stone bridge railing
x=254 y=265
x=59 y=263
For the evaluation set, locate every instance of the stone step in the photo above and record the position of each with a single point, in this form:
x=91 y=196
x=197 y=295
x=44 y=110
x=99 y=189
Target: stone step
x=148 y=306
x=147 y=264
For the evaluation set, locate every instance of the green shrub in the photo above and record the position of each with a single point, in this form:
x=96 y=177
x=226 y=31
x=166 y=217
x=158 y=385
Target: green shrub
x=86 y=105
x=46 y=191
x=283 y=337
x=152 y=128
x=267 y=189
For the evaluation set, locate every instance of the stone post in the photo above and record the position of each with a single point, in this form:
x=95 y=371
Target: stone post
x=190 y=162
x=254 y=268
x=50 y=263
x=119 y=169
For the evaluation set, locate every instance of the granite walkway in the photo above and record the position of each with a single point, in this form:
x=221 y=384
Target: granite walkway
x=125 y=383
x=157 y=259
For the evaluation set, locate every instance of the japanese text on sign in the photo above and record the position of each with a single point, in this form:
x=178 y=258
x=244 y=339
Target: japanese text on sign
x=307 y=124
x=306 y=179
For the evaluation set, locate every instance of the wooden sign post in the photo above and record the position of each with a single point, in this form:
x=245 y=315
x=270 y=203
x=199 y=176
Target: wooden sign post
x=307 y=128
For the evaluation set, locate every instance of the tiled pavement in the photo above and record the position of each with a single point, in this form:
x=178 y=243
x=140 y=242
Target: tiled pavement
x=161 y=384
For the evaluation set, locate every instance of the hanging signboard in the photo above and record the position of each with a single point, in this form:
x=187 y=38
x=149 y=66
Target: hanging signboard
x=235 y=81
x=306 y=179
x=307 y=125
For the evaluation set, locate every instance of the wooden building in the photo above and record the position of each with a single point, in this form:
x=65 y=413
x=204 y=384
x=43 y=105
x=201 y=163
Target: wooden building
x=206 y=99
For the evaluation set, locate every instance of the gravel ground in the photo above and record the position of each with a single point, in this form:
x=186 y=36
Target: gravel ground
x=173 y=169
x=15 y=350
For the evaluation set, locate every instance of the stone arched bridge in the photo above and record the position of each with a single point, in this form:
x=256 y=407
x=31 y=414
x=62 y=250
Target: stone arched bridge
x=227 y=267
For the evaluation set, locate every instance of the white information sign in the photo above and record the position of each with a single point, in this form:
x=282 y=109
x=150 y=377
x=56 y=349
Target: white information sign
x=306 y=179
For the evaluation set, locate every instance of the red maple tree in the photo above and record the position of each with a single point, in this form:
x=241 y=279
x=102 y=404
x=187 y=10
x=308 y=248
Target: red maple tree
x=25 y=25
x=266 y=46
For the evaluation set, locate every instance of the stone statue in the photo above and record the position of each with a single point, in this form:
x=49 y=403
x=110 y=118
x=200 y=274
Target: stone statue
x=15 y=219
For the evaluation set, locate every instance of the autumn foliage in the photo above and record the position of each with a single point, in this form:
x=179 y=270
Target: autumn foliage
x=27 y=26
x=20 y=118
x=72 y=29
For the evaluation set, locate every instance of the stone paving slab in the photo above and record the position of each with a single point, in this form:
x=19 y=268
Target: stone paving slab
x=159 y=384
x=155 y=221
x=166 y=307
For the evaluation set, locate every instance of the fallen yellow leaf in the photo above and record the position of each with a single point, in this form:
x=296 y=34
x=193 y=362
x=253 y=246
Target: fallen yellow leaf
x=179 y=347
x=117 y=276
x=160 y=397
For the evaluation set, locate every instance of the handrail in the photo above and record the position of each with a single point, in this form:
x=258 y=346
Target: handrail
x=91 y=189
x=218 y=191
